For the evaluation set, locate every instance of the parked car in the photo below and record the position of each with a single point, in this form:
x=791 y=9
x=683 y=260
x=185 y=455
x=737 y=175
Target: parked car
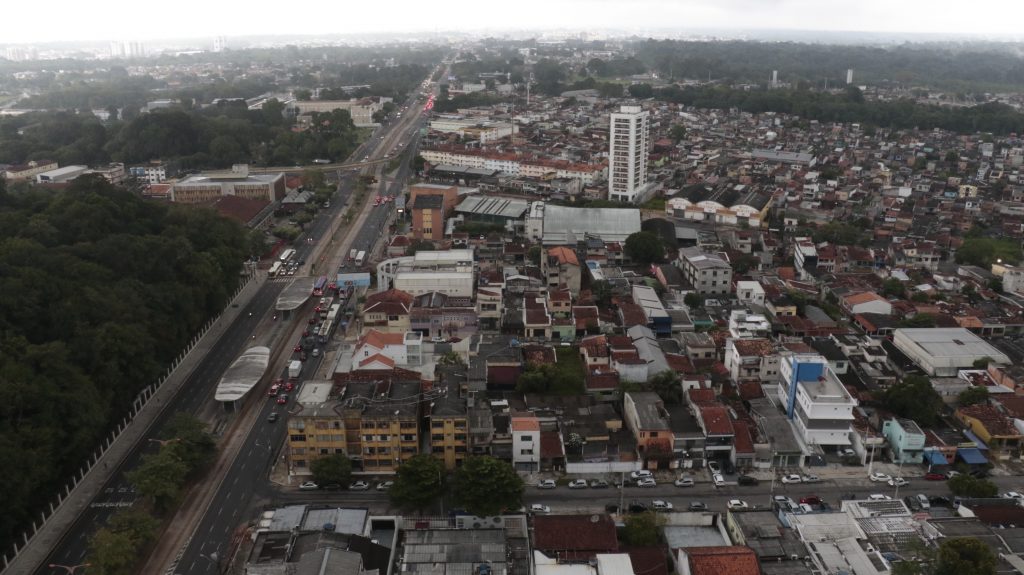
x=683 y=482
x=1012 y=495
x=359 y=486
x=811 y=500
x=599 y=484
x=934 y=476
x=718 y=479
x=547 y=484
x=939 y=501
x=847 y=452
x=912 y=503
x=878 y=476
x=637 y=507
x=646 y=482
x=384 y=485
x=898 y=482
x=747 y=480
x=735 y=504
x=640 y=474
x=792 y=478
x=308 y=486
x=538 y=508
x=714 y=467
x=879 y=497
x=331 y=487
x=578 y=484
x=697 y=506
x=922 y=499
x=810 y=478
x=661 y=505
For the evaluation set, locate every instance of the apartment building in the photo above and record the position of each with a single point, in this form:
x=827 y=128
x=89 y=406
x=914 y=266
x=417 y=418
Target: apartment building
x=449 y=421
x=627 y=154
x=708 y=273
x=525 y=441
x=815 y=401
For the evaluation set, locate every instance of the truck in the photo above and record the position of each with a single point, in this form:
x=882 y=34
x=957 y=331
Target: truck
x=294 y=368
x=360 y=257
x=352 y=254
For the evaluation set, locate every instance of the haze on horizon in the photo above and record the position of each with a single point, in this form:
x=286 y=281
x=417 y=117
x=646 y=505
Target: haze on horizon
x=108 y=20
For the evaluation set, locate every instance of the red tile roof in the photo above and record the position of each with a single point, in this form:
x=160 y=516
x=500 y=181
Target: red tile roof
x=551 y=445
x=743 y=443
x=995 y=422
x=716 y=420
x=698 y=396
x=574 y=537
x=602 y=380
x=733 y=560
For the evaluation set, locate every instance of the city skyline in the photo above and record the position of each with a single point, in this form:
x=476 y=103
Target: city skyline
x=116 y=20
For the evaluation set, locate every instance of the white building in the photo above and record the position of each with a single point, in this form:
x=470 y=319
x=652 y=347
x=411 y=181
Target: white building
x=450 y=272
x=805 y=257
x=627 y=154
x=944 y=351
x=525 y=442
x=815 y=401
x=748 y=292
x=745 y=325
x=61 y=175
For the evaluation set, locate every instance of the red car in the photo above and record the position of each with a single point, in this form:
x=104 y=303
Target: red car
x=289 y=386
x=298 y=348
x=934 y=477
x=305 y=333
x=273 y=390
x=811 y=500
x=312 y=320
x=282 y=399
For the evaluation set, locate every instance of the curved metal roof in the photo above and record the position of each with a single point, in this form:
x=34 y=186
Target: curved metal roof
x=243 y=374
x=296 y=294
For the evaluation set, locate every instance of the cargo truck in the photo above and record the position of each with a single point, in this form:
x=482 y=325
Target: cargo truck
x=294 y=368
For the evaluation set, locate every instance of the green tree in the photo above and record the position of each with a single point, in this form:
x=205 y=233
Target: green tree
x=112 y=553
x=969 y=486
x=914 y=398
x=335 y=468
x=190 y=441
x=160 y=477
x=418 y=483
x=533 y=255
x=313 y=179
x=418 y=163
x=640 y=91
x=677 y=133
x=601 y=291
x=667 y=385
x=694 y=300
x=961 y=555
x=972 y=395
x=892 y=287
x=643 y=529
x=645 y=248
x=303 y=95
x=419 y=246
x=486 y=486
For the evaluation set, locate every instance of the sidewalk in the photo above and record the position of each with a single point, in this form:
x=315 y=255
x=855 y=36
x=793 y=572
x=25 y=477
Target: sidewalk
x=51 y=533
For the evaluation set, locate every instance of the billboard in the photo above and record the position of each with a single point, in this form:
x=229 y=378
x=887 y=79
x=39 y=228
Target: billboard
x=361 y=279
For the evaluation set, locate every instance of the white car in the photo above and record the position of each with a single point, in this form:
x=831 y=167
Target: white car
x=640 y=474
x=538 y=508
x=308 y=486
x=810 y=478
x=578 y=484
x=384 y=485
x=1012 y=495
x=646 y=482
x=683 y=482
x=793 y=478
x=659 y=505
x=718 y=479
x=898 y=482
x=879 y=477
x=737 y=504
x=879 y=497
x=359 y=486
x=714 y=467
x=547 y=484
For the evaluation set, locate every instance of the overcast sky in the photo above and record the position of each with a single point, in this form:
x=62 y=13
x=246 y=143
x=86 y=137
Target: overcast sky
x=130 y=19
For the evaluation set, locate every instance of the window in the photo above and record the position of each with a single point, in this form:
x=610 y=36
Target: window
x=300 y=463
x=325 y=451
x=298 y=451
x=437 y=437
x=298 y=438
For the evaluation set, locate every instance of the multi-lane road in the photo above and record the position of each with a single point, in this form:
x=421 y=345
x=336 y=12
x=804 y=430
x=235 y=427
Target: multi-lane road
x=248 y=473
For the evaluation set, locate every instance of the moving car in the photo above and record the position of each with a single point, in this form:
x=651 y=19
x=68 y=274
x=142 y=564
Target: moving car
x=384 y=485
x=810 y=478
x=359 y=486
x=308 y=486
x=637 y=507
x=660 y=505
x=898 y=482
x=747 y=480
x=737 y=504
x=697 y=506
x=793 y=478
x=289 y=385
x=538 y=508
x=282 y=399
x=274 y=389
x=641 y=473
x=578 y=484
x=934 y=476
x=547 y=484
x=646 y=482
x=878 y=476
x=272 y=417
x=1012 y=495
x=599 y=484
x=683 y=482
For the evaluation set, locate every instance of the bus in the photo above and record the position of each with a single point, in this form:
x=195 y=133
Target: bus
x=332 y=315
x=325 y=332
x=319 y=286
x=274 y=269
x=287 y=254
x=360 y=257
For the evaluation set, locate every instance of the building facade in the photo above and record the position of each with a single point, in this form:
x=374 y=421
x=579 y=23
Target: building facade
x=627 y=154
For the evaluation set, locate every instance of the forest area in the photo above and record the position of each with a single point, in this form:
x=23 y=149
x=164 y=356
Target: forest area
x=101 y=290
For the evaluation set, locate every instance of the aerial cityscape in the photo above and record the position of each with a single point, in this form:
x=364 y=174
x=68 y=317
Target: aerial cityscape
x=461 y=293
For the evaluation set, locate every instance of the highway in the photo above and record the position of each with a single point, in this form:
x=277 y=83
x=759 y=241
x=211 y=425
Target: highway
x=208 y=550
x=249 y=471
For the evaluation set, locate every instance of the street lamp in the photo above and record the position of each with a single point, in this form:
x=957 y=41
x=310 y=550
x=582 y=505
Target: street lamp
x=68 y=569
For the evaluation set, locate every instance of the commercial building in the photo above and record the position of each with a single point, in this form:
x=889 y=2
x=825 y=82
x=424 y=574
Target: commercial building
x=815 y=401
x=361 y=110
x=153 y=172
x=708 y=273
x=506 y=212
x=627 y=153
x=209 y=186
x=450 y=272
x=564 y=226
x=28 y=171
x=428 y=217
x=905 y=439
x=943 y=352
x=61 y=175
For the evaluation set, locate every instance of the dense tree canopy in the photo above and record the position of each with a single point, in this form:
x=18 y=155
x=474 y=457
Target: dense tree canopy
x=645 y=247
x=486 y=486
x=914 y=398
x=418 y=483
x=335 y=468
x=101 y=291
